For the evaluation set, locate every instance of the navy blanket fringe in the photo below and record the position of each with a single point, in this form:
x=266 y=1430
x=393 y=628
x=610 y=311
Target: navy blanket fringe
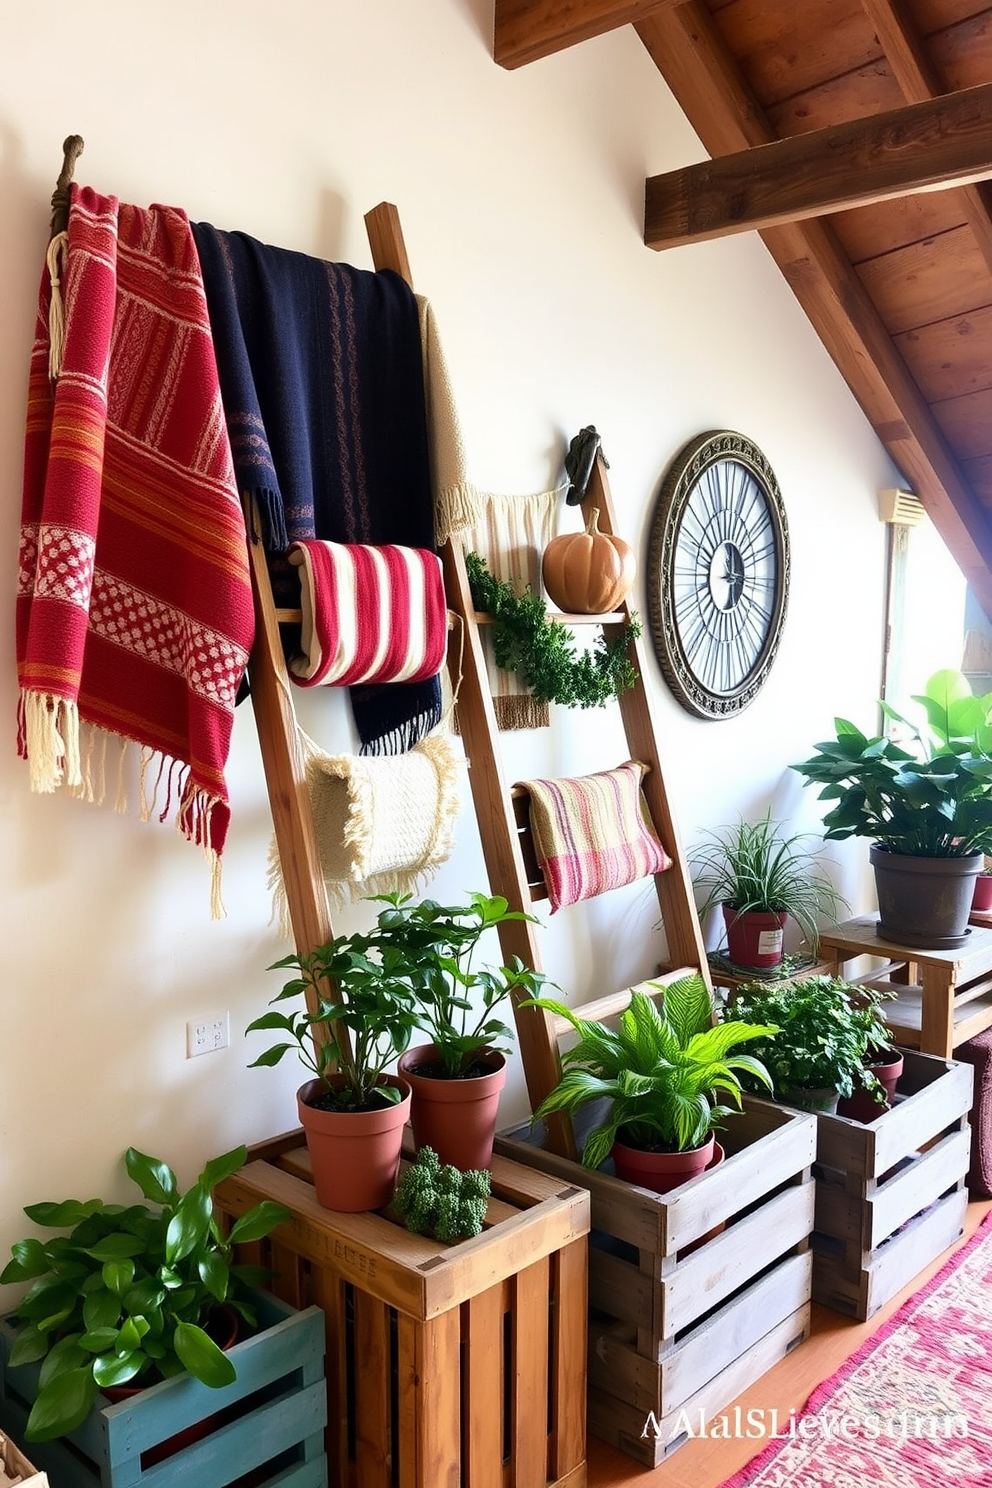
x=321 y=374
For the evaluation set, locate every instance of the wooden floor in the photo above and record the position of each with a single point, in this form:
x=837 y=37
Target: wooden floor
x=707 y=1463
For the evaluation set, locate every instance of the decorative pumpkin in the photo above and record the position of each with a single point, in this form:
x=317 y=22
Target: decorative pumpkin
x=588 y=573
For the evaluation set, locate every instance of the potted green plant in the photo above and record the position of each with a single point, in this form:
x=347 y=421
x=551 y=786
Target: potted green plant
x=981 y=899
x=826 y=1027
x=457 y=1077
x=132 y=1294
x=872 y=1099
x=759 y=875
x=438 y=1199
x=926 y=807
x=662 y=1070
x=352 y=1111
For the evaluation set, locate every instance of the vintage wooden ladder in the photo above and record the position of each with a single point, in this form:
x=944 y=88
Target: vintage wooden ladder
x=502 y=813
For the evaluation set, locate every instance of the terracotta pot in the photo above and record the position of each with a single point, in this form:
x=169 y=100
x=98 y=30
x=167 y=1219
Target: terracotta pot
x=355 y=1155
x=982 y=897
x=755 y=938
x=862 y=1105
x=225 y=1324
x=455 y=1117
x=924 y=901
x=661 y=1171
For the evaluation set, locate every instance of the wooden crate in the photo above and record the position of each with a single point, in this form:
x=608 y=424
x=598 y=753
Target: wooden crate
x=682 y=1320
x=15 y=1467
x=890 y=1196
x=459 y=1366
x=266 y=1428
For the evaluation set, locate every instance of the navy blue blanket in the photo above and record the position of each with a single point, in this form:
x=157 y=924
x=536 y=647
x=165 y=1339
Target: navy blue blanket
x=321 y=375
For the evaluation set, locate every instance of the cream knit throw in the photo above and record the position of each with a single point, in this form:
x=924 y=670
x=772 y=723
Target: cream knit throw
x=457 y=504
x=509 y=532
x=384 y=823
x=512 y=536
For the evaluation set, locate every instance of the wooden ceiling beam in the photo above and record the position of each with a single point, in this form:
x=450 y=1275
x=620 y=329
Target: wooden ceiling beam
x=919 y=79
x=940 y=142
x=705 y=79
x=525 y=30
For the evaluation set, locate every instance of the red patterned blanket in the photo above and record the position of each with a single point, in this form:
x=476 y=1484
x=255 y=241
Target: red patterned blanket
x=134 y=610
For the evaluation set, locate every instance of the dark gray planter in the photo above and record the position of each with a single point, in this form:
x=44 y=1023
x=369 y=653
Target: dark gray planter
x=924 y=901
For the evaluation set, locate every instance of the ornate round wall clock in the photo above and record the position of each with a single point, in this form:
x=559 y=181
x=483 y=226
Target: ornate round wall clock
x=718 y=573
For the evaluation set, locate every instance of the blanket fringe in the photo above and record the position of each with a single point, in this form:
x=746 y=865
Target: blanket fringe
x=193 y=819
x=406 y=736
x=456 y=509
x=516 y=711
x=49 y=740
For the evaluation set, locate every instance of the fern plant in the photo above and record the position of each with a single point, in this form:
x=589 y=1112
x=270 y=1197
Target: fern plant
x=663 y=1070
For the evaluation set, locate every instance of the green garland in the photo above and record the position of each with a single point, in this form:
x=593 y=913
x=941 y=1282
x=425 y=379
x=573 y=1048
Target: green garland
x=542 y=652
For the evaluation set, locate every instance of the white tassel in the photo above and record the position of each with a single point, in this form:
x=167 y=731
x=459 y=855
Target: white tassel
x=55 y=258
x=52 y=741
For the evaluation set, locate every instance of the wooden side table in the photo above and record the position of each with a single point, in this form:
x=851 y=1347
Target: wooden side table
x=947 y=995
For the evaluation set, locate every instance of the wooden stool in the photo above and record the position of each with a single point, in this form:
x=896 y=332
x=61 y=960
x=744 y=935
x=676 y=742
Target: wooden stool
x=946 y=997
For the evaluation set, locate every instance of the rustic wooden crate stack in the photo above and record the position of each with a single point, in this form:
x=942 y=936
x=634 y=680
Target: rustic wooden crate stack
x=891 y=1195
x=267 y=1427
x=682 y=1320
x=461 y=1364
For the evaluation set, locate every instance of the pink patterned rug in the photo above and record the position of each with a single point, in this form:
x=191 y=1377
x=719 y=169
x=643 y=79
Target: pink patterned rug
x=912 y=1408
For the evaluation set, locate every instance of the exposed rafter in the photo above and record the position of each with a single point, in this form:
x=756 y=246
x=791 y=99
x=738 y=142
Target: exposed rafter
x=919 y=80
x=943 y=141
x=528 y=29
x=698 y=67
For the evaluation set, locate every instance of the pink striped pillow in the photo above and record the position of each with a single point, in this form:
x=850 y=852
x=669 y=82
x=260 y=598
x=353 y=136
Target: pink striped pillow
x=370 y=614
x=593 y=833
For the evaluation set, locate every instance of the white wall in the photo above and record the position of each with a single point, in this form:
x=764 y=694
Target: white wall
x=520 y=195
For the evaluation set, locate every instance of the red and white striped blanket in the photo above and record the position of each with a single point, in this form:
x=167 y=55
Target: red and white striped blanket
x=370 y=614
x=134 y=610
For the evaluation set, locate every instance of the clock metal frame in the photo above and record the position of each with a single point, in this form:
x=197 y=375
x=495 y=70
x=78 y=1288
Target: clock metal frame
x=685 y=478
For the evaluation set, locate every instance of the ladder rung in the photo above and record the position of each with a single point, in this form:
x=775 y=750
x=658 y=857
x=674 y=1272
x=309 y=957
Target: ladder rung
x=616 y=1002
x=520 y=803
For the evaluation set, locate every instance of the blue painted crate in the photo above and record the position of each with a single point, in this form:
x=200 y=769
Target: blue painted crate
x=266 y=1428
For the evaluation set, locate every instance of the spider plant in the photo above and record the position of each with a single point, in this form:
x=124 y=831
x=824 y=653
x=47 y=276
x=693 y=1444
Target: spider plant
x=758 y=866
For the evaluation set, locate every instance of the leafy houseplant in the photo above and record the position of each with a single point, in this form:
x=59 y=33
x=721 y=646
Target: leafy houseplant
x=542 y=652
x=931 y=799
x=348 y=1042
x=458 y=1076
x=755 y=868
x=435 y=946
x=366 y=1026
x=982 y=896
x=826 y=1029
x=662 y=1069
x=127 y=1296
